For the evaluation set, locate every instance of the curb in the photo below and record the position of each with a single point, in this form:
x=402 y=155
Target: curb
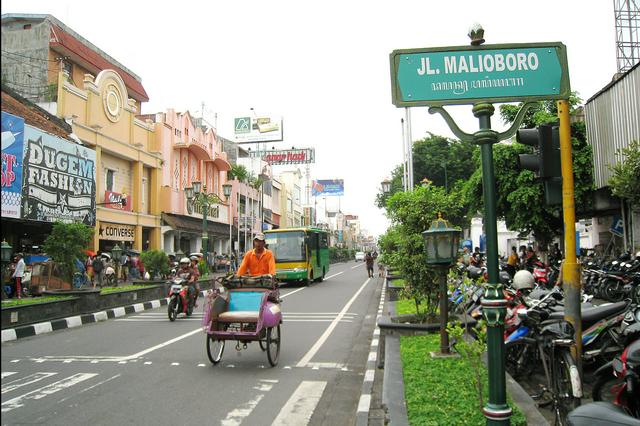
x=364 y=404
x=10 y=334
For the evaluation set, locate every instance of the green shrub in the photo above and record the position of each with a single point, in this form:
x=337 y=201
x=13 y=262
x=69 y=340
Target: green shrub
x=155 y=262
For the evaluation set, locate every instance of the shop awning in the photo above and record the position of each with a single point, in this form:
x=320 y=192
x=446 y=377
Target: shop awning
x=194 y=225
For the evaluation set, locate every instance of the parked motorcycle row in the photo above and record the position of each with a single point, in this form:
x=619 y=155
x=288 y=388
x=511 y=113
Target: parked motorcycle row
x=538 y=340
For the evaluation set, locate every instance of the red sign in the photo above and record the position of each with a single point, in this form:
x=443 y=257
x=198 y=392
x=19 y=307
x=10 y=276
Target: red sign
x=113 y=200
x=287 y=156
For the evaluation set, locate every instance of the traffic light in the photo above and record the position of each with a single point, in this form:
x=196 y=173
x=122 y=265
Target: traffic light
x=545 y=162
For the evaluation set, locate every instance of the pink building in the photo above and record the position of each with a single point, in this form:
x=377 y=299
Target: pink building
x=191 y=153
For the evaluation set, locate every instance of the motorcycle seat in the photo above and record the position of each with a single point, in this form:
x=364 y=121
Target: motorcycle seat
x=601 y=413
x=596 y=313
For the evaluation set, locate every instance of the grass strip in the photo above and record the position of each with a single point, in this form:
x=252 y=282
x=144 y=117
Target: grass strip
x=440 y=391
x=106 y=290
x=32 y=300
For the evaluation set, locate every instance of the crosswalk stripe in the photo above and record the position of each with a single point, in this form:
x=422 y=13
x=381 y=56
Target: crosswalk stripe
x=8 y=373
x=300 y=406
x=27 y=380
x=237 y=415
x=19 y=401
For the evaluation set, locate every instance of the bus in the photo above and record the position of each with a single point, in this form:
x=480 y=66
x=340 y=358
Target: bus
x=301 y=254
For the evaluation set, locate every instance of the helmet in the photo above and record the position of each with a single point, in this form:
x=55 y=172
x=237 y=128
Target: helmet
x=185 y=260
x=194 y=257
x=523 y=280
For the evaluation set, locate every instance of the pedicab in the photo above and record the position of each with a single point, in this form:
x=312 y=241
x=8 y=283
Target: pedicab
x=245 y=310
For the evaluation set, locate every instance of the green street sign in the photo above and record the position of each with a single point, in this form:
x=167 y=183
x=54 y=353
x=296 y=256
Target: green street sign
x=470 y=74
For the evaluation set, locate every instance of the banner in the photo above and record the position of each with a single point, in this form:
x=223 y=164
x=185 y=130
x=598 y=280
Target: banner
x=113 y=200
x=264 y=128
x=286 y=156
x=116 y=232
x=59 y=179
x=327 y=187
x=12 y=158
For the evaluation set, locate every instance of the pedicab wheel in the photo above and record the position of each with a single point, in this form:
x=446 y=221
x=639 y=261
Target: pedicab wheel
x=173 y=309
x=263 y=341
x=215 y=347
x=273 y=345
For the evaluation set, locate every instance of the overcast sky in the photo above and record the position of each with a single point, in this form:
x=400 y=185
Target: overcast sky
x=323 y=66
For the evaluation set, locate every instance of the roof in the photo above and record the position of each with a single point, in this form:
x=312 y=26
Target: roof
x=615 y=80
x=66 y=41
x=34 y=115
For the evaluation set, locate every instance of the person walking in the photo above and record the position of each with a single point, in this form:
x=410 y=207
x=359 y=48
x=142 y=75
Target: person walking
x=18 y=274
x=368 y=259
x=512 y=262
x=98 y=267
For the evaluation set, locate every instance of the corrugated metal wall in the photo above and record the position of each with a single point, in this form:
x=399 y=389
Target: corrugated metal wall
x=613 y=121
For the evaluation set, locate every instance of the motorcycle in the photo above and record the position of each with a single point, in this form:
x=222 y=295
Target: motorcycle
x=179 y=300
x=600 y=414
x=618 y=381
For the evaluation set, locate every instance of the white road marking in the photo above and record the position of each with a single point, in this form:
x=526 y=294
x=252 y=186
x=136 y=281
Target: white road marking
x=19 y=401
x=364 y=403
x=8 y=373
x=368 y=375
x=334 y=275
x=27 y=380
x=90 y=387
x=305 y=359
x=358 y=265
x=300 y=406
x=236 y=416
x=292 y=292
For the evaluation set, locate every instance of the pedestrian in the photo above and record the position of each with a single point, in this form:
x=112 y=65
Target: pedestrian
x=18 y=274
x=98 y=268
x=124 y=262
x=523 y=255
x=512 y=262
x=368 y=259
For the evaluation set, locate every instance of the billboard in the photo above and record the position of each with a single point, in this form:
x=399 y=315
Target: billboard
x=59 y=179
x=12 y=158
x=286 y=156
x=251 y=128
x=327 y=187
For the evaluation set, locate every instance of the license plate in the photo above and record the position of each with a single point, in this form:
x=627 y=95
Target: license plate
x=176 y=287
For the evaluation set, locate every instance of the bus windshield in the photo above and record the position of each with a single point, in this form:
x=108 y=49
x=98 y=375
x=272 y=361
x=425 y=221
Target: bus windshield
x=287 y=246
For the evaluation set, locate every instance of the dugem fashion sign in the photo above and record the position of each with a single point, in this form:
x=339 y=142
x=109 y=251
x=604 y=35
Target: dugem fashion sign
x=59 y=179
x=470 y=74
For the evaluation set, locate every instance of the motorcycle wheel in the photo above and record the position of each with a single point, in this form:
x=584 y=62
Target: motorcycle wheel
x=215 y=348
x=173 y=309
x=520 y=358
x=606 y=386
x=613 y=291
x=273 y=344
x=636 y=294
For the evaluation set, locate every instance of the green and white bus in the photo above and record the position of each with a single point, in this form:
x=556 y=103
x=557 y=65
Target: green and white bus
x=302 y=254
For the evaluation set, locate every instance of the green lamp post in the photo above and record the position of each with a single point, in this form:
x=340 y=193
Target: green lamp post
x=197 y=196
x=441 y=245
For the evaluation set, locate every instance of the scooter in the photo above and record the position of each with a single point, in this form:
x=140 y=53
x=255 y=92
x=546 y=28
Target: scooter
x=179 y=300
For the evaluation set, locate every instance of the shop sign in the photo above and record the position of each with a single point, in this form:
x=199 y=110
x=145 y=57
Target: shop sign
x=116 y=232
x=212 y=213
x=250 y=128
x=12 y=158
x=113 y=200
x=286 y=156
x=59 y=179
x=330 y=187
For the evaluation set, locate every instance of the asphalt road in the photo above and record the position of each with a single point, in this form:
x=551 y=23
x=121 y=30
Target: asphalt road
x=143 y=370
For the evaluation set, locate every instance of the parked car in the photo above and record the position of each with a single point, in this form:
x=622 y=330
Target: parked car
x=359 y=256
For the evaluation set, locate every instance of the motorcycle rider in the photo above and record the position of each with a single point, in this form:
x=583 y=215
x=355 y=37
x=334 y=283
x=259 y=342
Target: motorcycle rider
x=186 y=273
x=259 y=260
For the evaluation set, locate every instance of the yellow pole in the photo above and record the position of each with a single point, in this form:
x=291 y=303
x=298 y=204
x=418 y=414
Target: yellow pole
x=570 y=271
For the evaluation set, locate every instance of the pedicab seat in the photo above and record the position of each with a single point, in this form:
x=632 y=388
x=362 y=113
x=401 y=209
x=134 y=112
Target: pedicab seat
x=244 y=306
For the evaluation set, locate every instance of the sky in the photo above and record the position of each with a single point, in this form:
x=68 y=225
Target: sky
x=323 y=66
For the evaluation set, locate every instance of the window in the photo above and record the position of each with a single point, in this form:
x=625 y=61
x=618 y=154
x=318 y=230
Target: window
x=287 y=246
x=109 y=179
x=144 y=192
x=68 y=68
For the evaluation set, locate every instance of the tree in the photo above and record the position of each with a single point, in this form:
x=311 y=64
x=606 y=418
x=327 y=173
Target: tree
x=625 y=180
x=239 y=172
x=156 y=262
x=520 y=198
x=66 y=243
x=411 y=213
x=440 y=160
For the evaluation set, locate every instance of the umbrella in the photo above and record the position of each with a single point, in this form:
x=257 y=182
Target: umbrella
x=90 y=253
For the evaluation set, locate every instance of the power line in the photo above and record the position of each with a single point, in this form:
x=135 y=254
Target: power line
x=30 y=57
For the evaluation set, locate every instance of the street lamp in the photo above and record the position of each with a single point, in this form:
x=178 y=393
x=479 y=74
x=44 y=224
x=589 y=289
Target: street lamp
x=197 y=196
x=116 y=252
x=441 y=244
x=227 y=189
x=386 y=186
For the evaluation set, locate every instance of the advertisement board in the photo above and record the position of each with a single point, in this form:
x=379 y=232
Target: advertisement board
x=333 y=187
x=251 y=128
x=59 y=179
x=116 y=232
x=277 y=157
x=12 y=158
x=113 y=200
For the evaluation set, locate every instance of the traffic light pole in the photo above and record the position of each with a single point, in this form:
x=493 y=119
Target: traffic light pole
x=570 y=271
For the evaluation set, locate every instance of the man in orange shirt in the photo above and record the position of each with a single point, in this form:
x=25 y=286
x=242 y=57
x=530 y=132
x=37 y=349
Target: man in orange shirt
x=258 y=261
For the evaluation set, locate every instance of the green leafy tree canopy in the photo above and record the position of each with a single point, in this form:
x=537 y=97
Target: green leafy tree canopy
x=625 y=181
x=156 y=262
x=67 y=242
